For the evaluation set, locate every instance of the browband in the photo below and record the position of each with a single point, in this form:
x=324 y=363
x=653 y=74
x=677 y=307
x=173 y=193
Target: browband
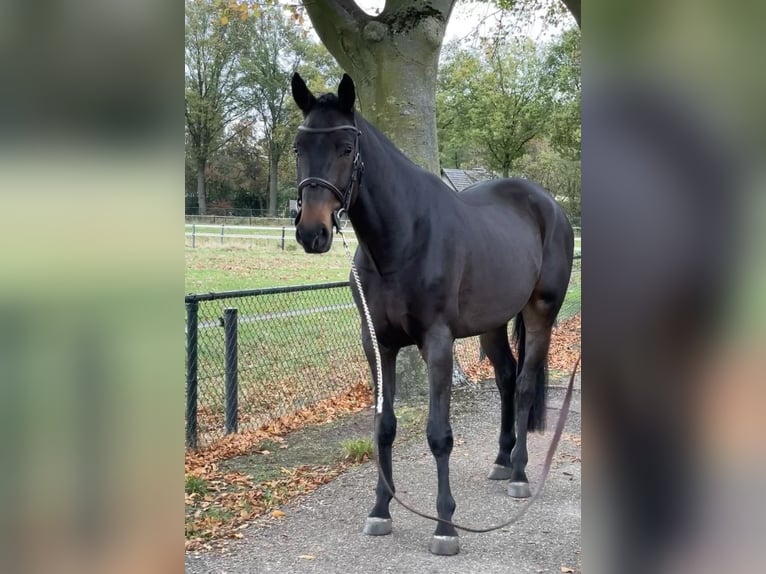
x=332 y=129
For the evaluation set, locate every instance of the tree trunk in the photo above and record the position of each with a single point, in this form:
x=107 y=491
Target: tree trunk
x=201 y=198
x=273 y=183
x=506 y=170
x=400 y=99
x=393 y=59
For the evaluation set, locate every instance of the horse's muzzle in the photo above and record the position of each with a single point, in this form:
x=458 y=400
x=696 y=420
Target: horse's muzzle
x=317 y=239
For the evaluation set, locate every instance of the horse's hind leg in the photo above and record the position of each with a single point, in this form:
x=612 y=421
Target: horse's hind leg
x=495 y=345
x=379 y=520
x=538 y=317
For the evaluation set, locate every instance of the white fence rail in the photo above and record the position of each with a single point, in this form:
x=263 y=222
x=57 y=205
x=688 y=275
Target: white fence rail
x=253 y=232
x=279 y=234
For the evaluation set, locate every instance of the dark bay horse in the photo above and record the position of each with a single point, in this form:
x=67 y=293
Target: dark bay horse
x=436 y=266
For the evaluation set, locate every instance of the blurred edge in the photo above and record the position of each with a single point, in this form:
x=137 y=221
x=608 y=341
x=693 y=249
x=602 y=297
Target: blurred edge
x=91 y=271
x=673 y=340
x=90 y=166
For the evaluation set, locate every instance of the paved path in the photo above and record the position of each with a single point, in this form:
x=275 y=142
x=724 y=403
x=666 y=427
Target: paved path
x=327 y=524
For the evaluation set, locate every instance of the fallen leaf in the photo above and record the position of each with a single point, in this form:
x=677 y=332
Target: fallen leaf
x=277 y=513
x=307 y=556
x=263 y=451
x=238 y=535
x=566 y=569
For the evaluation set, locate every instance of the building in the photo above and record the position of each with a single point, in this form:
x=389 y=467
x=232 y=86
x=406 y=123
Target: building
x=459 y=179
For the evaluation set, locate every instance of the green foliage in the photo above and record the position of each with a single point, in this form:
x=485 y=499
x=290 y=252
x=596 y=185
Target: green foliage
x=492 y=101
x=195 y=485
x=356 y=450
x=514 y=107
x=558 y=174
x=562 y=72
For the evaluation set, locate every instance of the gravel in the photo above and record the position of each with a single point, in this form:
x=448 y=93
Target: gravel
x=322 y=532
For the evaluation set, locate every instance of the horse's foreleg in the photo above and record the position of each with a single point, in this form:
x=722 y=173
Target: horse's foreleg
x=379 y=520
x=437 y=352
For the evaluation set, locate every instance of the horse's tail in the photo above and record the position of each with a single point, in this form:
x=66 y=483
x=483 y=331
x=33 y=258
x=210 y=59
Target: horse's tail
x=537 y=412
x=519 y=339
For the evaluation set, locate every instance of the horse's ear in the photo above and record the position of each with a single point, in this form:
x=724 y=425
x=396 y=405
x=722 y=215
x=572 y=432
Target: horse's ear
x=303 y=97
x=346 y=93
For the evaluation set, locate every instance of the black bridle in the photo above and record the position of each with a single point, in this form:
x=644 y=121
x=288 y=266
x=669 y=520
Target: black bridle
x=344 y=195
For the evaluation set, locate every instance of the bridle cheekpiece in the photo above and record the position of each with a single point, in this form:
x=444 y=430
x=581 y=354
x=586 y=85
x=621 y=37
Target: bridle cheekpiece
x=344 y=196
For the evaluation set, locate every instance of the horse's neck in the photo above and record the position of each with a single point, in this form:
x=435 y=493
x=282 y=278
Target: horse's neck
x=387 y=206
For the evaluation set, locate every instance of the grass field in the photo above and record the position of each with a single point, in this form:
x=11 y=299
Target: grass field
x=238 y=265
x=244 y=264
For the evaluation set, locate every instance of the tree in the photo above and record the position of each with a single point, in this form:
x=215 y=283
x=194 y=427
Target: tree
x=216 y=33
x=558 y=174
x=268 y=64
x=495 y=100
x=562 y=73
x=455 y=148
x=393 y=58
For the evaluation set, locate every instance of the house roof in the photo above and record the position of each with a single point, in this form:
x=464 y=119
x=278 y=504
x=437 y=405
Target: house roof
x=459 y=179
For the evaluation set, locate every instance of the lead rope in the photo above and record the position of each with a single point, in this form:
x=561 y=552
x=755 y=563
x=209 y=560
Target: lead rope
x=368 y=319
x=379 y=409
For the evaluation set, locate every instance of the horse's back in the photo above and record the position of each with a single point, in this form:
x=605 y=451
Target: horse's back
x=510 y=197
x=517 y=193
x=529 y=221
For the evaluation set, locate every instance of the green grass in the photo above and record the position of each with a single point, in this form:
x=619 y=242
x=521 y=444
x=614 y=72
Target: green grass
x=196 y=485
x=357 y=449
x=240 y=266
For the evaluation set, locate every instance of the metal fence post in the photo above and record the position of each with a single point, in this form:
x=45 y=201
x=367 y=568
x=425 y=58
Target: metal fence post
x=283 y=238
x=194 y=234
x=230 y=334
x=222 y=226
x=191 y=373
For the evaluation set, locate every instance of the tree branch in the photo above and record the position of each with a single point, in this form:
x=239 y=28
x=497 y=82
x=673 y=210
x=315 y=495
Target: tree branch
x=444 y=7
x=333 y=21
x=344 y=11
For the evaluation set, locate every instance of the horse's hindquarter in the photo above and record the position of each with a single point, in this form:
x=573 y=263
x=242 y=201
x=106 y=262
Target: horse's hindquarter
x=503 y=248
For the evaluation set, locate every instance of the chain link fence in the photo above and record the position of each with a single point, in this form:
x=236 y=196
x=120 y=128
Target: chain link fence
x=253 y=356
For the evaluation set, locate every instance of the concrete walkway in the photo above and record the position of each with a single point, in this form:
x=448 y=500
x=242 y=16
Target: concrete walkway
x=322 y=532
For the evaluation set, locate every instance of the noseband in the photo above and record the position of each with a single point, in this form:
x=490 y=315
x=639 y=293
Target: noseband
x=343 y=196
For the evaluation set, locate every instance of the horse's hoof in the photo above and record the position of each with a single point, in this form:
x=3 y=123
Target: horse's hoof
x=445 y=545
x=377 y=526
x=499 y=472
x=519 y=490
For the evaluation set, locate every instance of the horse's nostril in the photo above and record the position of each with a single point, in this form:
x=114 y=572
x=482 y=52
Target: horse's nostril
x=323 y=231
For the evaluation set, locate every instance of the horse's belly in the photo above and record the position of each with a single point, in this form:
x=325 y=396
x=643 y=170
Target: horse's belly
x=489 y=309
x=491 y=298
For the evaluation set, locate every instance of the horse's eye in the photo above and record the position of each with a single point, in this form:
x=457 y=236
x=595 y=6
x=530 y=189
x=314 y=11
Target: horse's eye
x=348 y=150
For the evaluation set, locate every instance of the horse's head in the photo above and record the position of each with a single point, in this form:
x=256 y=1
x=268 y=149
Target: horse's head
x=328 y=162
